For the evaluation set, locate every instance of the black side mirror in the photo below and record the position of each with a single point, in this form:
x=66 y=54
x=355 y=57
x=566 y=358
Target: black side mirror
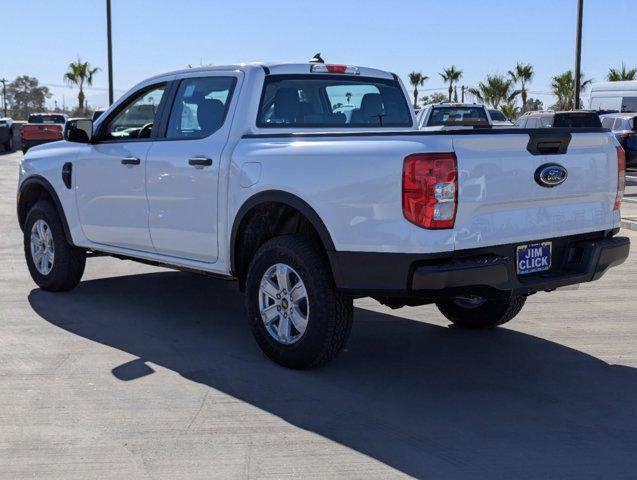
x=79 y=130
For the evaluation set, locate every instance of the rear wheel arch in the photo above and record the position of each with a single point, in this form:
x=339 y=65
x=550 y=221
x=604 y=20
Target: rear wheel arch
x=34 y=189
x=266 y=215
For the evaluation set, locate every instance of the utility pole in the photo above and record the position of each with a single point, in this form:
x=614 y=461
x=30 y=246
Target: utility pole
x=578 y=52
x=4 y=95
x=110 y=52
x=462 y=94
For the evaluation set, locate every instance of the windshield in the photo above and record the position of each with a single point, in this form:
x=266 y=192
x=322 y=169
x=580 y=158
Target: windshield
x=458 y=116
x=321 y=100
x=629 y=104
x=46 y=118
x=577 y=120
x=497 y=116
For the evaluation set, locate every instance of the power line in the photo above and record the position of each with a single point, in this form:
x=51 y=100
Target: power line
x=100 y=89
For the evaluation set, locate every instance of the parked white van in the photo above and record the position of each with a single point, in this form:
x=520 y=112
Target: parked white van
x=620 y=96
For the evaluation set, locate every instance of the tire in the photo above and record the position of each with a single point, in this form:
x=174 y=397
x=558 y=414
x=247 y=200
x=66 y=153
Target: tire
x=328 y=313
x=481 y=312
x=8 y=145
x=68 y=262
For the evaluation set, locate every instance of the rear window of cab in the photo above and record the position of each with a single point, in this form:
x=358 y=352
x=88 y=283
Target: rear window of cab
x=46 y=119
x=458 y=116
x=340 y=101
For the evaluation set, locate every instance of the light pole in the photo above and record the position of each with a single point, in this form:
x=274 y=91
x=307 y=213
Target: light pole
x=578 y=52
x=110 y=52
x=4 y=95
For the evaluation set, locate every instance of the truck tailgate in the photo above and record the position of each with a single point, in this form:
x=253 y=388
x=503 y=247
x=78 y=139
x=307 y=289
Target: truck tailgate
x=500 y=201
x=44 y=131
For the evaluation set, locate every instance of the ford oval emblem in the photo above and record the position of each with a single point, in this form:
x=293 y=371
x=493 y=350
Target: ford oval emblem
x=550 y=175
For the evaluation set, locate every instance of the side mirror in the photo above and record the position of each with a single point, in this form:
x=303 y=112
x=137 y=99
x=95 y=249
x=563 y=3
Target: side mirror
x=79 y=130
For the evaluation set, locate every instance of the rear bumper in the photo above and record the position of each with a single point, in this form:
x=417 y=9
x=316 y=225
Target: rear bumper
x=486 y=271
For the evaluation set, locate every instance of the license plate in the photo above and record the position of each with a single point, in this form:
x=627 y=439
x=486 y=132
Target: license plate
x=534 y=257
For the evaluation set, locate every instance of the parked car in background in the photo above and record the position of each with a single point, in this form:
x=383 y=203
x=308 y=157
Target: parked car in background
x=549 y=118
x=97 y=113
x=447 y=116
x=247 y=172
x=498 y=119
x=618 y=96
x=6 y=134
x=624 y=127
x=42 y=128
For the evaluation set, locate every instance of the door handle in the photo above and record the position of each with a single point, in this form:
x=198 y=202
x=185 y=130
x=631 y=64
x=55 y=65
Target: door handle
x=130 y=161
x=200 y=161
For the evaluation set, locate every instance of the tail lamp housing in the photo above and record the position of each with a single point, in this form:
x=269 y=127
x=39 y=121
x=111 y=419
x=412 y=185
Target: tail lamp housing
x=621 y=177
x=430 y=189
x=331 y=68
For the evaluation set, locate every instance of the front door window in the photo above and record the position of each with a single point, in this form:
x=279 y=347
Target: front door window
x=137 y=119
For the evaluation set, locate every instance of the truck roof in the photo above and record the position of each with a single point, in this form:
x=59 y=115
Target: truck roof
x=614 y=86
x=276 y=68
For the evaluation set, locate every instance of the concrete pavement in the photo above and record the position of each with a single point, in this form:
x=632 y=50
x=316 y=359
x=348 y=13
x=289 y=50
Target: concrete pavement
x=146 y=373
x=629 y=207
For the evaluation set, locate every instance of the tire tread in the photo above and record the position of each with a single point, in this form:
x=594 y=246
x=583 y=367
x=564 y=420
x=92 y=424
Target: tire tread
x=70 y=261
x=338 y=307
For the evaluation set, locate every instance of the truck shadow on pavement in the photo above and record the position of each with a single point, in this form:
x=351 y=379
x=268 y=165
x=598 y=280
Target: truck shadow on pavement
x=429 y=401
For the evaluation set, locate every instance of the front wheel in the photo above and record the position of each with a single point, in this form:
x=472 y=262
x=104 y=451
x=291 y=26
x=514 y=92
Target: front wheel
x=297 y=316
x=8 y=145
x=481 y=312
x=53 y=263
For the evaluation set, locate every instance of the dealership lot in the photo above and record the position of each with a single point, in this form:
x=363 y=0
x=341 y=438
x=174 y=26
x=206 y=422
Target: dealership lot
x=142 y=372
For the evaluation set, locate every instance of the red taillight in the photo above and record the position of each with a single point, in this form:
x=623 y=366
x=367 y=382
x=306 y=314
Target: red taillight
x=621 y=177
x=430 y=189
x=336 y=68
x=331 y=68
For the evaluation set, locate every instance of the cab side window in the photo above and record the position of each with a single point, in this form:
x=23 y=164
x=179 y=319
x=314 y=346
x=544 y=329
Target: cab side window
x=533 y=122
x=137 y=118
x=200 y=107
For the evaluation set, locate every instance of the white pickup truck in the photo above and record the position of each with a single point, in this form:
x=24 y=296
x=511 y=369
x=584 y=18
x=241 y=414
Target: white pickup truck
x=250 y=172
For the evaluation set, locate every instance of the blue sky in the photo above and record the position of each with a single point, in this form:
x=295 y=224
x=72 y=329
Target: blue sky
x=480 y=37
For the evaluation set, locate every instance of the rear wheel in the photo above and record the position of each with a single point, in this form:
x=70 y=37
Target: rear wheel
x=481 y=312
x=53 y=263
x=8 y=145
x=297 y=317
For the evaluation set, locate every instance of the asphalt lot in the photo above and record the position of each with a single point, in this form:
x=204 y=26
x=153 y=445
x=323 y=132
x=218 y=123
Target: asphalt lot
x=629 y=210
x=142 y=372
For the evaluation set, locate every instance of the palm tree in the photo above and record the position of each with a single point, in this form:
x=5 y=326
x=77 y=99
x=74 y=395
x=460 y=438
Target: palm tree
x=511 y=111
x=563 y=87
x=417 y=79
x=496 y=90
x=348 y=96
x=615 y=75
x=451 y=75
x=78 y=74
x=522 y=73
